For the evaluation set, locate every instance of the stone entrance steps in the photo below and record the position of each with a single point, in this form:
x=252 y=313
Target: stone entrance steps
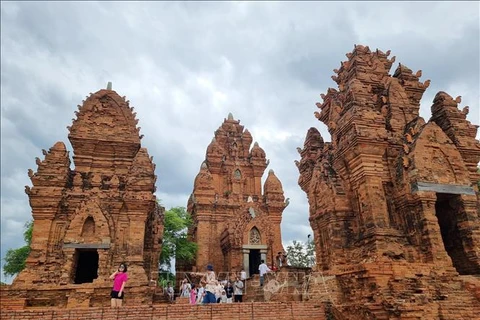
x=159 y=296
x=253 y=291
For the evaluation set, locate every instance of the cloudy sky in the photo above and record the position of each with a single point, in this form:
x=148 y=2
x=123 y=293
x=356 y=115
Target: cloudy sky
x=185 y=66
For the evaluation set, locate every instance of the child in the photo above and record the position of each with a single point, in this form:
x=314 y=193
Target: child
x=223 y=297
x=170 y=292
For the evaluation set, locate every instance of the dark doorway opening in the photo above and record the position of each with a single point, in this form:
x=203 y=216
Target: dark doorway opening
x=447 y=210
x=86 y=266
x=254 y=261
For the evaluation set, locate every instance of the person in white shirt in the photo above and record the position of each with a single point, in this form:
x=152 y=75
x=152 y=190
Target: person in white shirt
x=263 y=268
x=223 y=297
x=200 y=294
x=243 y=275
x=210 y=281
x=185 y=288
x=238 y=291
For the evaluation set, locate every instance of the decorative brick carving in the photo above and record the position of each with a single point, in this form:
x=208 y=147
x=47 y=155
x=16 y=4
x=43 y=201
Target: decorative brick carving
x=227 y=203
x=391 y=194
x=103 y=212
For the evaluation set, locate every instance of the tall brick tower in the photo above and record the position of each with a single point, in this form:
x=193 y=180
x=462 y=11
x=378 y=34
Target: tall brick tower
x=235 y=224
x=393 y=200
x=90 y=219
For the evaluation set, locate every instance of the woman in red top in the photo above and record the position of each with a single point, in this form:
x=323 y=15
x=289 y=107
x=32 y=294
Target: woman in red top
x=119 y=277
x=193 y=294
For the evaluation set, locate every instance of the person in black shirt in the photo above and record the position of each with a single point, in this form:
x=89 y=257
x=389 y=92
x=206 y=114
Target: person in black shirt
x=229 y=291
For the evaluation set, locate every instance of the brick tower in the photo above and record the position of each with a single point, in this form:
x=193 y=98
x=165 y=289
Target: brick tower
x=90 y=219
x=235 y=224
x=393 y=200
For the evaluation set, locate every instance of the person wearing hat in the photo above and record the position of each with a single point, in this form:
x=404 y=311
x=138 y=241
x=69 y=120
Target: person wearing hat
x=210 y=281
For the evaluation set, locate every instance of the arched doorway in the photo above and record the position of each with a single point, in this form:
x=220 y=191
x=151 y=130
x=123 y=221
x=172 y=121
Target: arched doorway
x=447 y=210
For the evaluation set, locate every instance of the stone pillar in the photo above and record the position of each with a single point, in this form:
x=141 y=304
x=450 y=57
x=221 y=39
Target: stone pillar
x=246 y=261
x=263 y=255
x=104 y=266
x=431 y=235
x=68 y=273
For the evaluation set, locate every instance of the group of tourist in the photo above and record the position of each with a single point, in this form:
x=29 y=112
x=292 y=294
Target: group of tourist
x=211 y=290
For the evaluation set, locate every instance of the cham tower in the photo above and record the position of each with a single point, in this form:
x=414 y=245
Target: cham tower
x=90 y=219
x=394 y=200
x=235 y=224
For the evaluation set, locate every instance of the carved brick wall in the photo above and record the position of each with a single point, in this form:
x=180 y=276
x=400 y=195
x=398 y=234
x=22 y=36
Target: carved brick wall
x=102 y=209
x=389 y=188
x=231 y=212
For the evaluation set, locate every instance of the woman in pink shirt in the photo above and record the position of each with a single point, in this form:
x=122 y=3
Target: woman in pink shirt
x=193 y=294
x=119 y=277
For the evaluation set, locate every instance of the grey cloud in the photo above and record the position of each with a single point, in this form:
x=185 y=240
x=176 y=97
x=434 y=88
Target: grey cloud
x=185 y=65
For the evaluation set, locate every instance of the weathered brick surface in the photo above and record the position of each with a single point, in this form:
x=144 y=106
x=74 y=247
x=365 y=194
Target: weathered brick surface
x=235 y=311
x=105 y=206
x=393 y=199
x=231 y=213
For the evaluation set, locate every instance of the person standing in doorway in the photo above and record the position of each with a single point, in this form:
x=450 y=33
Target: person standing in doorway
x=263 y=268
x=119 y=278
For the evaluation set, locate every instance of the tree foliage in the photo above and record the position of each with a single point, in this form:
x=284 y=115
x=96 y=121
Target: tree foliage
x=301 y=254
x=175 y=242
x=15 y=258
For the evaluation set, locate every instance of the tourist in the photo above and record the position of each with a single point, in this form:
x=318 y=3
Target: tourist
x=200 y=294
x=279 y=259
x=185 y=288
x=193 y=294
x=243 y=275
x=218 y=292
x=170 y=293
x=119 y=278
x=284 y=260
x=223 y=297
x=238 y=290
x=210 y=281
x=229 y=290
x=263 y=268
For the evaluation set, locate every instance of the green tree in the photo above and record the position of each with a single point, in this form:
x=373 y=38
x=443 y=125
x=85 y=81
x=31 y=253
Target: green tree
x=15 y=258
x=175 y=242
x=301 y=254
